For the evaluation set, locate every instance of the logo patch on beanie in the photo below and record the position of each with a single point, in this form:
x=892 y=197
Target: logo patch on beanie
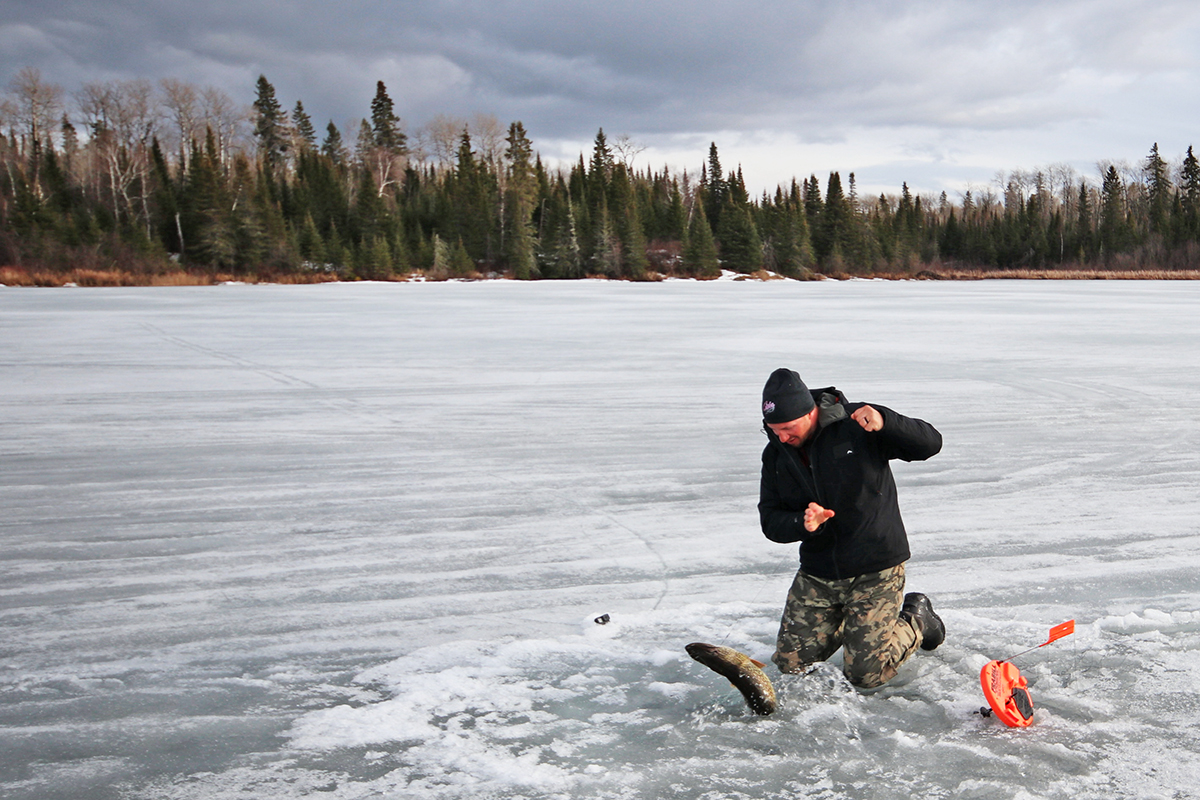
x=768 y=407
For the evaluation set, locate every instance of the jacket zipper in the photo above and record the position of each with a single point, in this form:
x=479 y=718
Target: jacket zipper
x=812 y=468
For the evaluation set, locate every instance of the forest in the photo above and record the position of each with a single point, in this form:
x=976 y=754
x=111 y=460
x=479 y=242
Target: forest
x=131 y=182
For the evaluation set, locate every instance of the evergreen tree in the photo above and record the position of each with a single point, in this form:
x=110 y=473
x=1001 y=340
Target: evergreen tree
x=369 y=216
x=561 y=254
x=461 y=265
x=364 y=144
x=602 y=158
x=472 y=202
x=1084 y=246
x=70 y=141
x=310 y=243
x=740 y=244
x=332 y=147
x=521 y=192
x=306 y=136
x=606 y=247
x=700 y=251
x=599 y=173
x=385 y=125
x=1113 y=223
x=1158 y=187
x=270 y=126
x=166 y=201
x=208 y=218
x=716 y=190
x=834 y=236
x=813 y=206
x=1190 y=195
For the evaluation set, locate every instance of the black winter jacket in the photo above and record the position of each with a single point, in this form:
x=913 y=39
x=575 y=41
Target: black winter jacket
x=849 y=474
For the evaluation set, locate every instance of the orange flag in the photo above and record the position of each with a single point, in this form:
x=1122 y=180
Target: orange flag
x=1059 y=631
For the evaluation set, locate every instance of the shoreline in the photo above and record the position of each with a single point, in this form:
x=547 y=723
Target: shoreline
x=17 y=277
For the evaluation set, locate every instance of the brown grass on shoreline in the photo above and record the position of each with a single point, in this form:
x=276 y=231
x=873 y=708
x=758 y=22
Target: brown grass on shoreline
x=1058 y=275
x=19 y=276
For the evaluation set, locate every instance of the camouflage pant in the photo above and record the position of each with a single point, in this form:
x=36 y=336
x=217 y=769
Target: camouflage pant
x=860 y=614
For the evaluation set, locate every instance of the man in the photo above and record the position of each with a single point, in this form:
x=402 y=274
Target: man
x=826 y=483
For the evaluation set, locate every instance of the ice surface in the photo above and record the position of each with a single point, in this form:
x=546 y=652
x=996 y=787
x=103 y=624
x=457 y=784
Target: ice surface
x=350 y=541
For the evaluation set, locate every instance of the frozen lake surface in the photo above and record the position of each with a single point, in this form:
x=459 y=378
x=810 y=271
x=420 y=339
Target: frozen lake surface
x=348 y=541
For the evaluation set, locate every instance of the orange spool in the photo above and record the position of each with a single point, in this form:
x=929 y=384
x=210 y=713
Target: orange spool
x=1007 y=693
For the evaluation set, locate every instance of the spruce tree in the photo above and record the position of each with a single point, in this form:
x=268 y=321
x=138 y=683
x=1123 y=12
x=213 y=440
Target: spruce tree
x=306 y=136
x=270 y=126
x=835 y=221
x=472 y=199
x=813 y=206
x=385 y=125
x=1190 y=190
x=700 y=251
x=1113 y=223
x=1158 y=188
x=332 y=147
x=521 y=191
x=209 y=224
x=716 y=189
x=740 y=244
x=606 y=245
x=599 y=173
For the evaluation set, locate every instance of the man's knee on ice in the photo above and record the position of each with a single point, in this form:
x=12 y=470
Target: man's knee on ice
x=869 y=681
x=868 y=675
x=788 y=662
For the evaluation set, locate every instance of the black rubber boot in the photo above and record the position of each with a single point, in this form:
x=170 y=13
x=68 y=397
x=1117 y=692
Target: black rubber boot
x=918 y=608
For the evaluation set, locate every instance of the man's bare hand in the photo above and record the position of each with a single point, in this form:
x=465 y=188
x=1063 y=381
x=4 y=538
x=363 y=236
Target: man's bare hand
x=870 y=419
x=815 y=516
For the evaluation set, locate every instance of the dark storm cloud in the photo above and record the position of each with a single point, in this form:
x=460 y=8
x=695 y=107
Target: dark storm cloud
x=813 y=71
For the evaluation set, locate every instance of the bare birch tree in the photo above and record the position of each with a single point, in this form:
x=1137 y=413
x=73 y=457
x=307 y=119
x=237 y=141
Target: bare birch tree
x=182 y=102
x=35 y=109
x=123 y=119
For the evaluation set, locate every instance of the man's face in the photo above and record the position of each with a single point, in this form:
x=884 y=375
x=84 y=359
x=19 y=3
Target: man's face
x=797 y=431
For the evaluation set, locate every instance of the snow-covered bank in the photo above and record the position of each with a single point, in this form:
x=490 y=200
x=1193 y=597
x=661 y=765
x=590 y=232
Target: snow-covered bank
x=349 y=540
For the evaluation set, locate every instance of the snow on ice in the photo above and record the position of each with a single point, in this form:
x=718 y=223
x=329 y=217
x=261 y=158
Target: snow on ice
x=351 y=541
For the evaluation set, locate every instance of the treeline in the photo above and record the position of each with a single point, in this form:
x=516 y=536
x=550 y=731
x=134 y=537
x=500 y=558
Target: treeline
x=157 y=179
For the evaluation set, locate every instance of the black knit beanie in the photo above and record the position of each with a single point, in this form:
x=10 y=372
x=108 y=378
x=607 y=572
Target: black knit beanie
x=785 y=397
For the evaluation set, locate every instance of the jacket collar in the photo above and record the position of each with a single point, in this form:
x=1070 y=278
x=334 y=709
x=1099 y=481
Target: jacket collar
x=829 y=411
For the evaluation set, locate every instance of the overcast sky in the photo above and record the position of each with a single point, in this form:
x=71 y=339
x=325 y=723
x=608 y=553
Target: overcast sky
x=939 y=94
